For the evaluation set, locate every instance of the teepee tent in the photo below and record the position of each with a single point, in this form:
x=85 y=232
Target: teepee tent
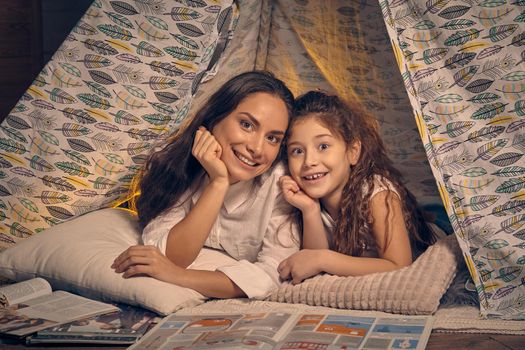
x=445 y=79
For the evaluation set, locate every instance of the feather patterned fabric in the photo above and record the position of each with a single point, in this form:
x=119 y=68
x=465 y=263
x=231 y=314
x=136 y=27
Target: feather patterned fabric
x=472 y=124
x=122 y=81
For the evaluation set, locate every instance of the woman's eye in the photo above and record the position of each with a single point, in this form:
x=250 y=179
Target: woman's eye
x=274 y=139
x=323 y=146
x=246 y=125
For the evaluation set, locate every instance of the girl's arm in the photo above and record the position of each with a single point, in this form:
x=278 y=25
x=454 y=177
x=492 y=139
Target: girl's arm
x=389 y=229
x=314 y=234
x=187 y=237
x=393 y=248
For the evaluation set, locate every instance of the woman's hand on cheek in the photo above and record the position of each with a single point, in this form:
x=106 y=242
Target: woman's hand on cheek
x=143 y=260
x=208 y=152
x=295 y=196
x=300 y=266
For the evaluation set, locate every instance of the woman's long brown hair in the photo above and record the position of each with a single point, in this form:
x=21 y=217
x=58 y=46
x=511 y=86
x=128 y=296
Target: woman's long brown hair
x=169 y=172
x=352 y=123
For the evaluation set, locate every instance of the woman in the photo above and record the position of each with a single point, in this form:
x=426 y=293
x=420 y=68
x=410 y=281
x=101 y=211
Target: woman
x=223 y=196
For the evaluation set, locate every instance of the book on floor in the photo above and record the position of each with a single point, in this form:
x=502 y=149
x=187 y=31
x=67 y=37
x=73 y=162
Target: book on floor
x=32 y=305
x=276 y=330
x=124 y=326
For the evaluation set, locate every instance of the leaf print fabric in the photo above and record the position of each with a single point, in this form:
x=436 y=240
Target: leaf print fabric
x=463 y=66
x=343 y=48
x=273 y=36
x=122 y=81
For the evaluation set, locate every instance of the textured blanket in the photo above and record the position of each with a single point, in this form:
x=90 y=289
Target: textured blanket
x=413 y=290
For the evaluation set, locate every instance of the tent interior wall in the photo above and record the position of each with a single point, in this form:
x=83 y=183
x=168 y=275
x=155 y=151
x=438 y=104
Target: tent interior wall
x=378 y=53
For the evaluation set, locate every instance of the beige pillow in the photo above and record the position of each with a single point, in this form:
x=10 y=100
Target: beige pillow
x=76 y=256
x=412 y=290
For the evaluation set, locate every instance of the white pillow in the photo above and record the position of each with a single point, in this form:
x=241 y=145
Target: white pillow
x=76 y=256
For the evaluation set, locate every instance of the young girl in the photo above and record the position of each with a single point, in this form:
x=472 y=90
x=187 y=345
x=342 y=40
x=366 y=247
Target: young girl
x=212 y=195
x=357 y=216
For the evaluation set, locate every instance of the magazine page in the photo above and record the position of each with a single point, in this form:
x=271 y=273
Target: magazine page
x=124 y=326
x=313 y=331
x=49 y=310
x=219 y=331
x=19 y=292
x=286 y=331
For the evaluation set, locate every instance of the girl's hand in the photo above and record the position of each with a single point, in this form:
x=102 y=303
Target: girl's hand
x=295 y=196
x=147 y=260
x=208 y=152
x=301 y=265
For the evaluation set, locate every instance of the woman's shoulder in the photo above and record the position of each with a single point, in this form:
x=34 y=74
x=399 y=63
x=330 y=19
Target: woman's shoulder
x=267 y=185
x=274 y=173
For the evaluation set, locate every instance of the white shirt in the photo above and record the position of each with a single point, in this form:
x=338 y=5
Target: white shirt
x=254 y=227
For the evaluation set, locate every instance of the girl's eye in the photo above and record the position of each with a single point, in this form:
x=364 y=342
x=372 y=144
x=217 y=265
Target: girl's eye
x=323 y=146
x=295 y=151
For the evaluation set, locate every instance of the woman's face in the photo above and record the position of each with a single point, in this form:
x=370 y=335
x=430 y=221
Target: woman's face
x=251 y=135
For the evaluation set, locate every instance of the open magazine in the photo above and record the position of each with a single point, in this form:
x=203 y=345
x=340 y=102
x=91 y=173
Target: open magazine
x=30 y=306
x=125 y=326
x=274 y=330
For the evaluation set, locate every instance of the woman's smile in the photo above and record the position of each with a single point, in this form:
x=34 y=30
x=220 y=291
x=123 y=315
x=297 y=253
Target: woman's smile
x=251 y=135
x=245 y=160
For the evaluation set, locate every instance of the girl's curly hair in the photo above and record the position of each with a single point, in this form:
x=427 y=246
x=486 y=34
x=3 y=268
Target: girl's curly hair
x=351 y=122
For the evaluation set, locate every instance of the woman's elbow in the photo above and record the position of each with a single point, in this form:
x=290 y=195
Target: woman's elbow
x=179 y=260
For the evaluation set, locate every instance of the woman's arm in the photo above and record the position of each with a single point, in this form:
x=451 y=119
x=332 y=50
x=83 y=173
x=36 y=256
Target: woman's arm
x=253 y=275
x=389 y=232
x=148 y=260
x=187 y=237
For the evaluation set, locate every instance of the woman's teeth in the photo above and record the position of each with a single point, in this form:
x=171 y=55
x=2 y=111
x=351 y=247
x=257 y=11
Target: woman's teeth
x=245 y=160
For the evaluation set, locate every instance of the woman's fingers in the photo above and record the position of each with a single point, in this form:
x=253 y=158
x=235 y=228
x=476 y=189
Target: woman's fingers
x=197 y=140
x=204 y=143
x=209 y=148
x=132 y=253
x=137 y=270
x=147 y=261
x=133 y=261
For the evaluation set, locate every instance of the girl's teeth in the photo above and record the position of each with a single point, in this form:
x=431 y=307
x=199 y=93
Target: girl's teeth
x=313 y=177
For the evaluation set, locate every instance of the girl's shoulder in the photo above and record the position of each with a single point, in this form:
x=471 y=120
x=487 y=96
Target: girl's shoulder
x=381 y=184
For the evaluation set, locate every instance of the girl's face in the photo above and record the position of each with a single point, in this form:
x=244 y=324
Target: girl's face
x=251 y=135
x=319 y=161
